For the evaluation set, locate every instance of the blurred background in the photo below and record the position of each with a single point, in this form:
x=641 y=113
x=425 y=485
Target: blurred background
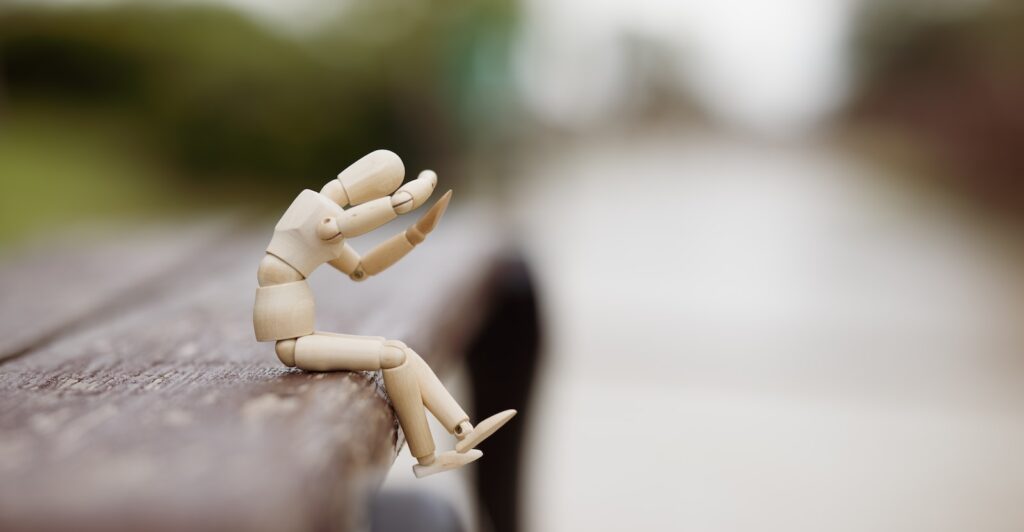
x=779 y=243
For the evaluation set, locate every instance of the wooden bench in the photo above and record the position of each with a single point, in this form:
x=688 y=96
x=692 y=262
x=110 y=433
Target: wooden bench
x=134 y=396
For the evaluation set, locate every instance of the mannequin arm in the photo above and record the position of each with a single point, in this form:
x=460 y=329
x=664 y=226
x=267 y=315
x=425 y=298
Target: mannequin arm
x=391 y=250
x=372 y=214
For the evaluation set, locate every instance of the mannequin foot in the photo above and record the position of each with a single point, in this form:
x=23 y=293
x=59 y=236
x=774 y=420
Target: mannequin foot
x=446 y=462
x=483 y=430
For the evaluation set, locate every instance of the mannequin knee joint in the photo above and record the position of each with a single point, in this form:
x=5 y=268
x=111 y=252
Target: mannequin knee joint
x=286 y=352
x=393 y=354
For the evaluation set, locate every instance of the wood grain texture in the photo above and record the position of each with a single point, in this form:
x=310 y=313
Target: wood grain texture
x=65 y=280
x=165 y=413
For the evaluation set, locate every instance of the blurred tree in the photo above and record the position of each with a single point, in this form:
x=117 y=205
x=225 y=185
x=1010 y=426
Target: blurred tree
x=951 y=80
x=214 y=99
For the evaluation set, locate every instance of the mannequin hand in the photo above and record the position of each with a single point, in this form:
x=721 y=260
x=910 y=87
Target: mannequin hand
x=428 y=222
x=414 y=193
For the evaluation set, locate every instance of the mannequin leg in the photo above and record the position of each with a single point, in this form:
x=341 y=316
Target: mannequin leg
x=436 y=397
x=405 y=396
x=444 y=407
x=340 y=352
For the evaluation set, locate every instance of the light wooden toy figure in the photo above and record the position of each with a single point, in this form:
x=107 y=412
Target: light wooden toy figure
x=312 y=232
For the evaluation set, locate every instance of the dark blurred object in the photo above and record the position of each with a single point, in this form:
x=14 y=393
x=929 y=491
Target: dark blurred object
x=218 y=107
x=401 y=511
x=503 y=362
x=950 y=80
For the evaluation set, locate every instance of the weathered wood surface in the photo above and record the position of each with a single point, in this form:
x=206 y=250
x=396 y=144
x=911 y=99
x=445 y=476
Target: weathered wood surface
x=164 y=412
x=88 y=273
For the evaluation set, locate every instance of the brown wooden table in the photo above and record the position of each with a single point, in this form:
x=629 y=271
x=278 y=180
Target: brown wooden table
x=134 y=396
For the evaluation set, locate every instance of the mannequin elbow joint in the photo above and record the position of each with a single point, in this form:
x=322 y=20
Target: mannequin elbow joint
x=358 y=275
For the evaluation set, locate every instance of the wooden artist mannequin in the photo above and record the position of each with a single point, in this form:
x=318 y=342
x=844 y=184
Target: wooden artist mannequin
x=312 y=232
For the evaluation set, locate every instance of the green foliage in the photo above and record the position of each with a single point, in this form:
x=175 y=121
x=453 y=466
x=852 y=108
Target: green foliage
x=214 y=100
x=55 y=175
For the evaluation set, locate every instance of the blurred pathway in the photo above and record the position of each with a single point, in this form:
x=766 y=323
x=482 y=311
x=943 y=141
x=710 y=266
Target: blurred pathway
x=761 y=338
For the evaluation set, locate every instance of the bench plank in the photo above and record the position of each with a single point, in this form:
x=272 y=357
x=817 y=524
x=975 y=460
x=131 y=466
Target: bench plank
x=69 y=279
x=165 y=413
